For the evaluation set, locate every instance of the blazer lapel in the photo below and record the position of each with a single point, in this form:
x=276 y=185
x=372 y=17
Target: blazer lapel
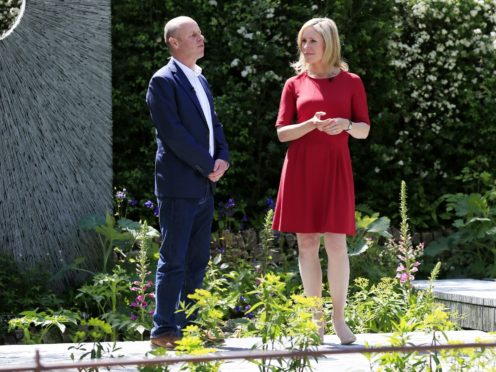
x=204 y=83
x=188 y=88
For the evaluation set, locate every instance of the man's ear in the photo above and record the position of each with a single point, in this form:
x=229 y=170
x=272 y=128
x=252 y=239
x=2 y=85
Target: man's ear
x=173 y=42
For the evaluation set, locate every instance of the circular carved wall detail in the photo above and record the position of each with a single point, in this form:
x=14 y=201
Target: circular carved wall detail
x=11 y=12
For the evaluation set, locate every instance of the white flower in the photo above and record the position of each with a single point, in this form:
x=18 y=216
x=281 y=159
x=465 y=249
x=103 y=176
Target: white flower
x=235 y=62
x=212 y=2
x=247 y=70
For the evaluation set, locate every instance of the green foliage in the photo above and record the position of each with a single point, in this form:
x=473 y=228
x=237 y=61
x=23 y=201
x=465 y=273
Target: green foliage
x=443 y=57
x=470 y=251
x=369 y=257
x=210 y=310
x=284 y=322
x=106 y=296
x=38 y=327
x=192 y=344
x=96 y=331
x=109 y=235
x=24 y=288
x=376 y=307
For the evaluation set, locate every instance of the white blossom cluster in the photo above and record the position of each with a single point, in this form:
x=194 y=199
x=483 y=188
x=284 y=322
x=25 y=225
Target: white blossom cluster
x=9 y=11
x=446 y=49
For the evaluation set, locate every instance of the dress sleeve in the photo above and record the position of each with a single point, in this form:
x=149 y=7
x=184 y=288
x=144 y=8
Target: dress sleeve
x=287 y=106
x=360 y=111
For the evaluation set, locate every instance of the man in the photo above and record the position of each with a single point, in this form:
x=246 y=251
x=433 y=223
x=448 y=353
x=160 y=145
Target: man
x=192 y=155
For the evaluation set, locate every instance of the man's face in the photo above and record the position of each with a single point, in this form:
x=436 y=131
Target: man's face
x=190 y=41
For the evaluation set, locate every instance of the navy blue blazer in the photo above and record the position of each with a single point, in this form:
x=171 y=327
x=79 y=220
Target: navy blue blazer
x=183 y=161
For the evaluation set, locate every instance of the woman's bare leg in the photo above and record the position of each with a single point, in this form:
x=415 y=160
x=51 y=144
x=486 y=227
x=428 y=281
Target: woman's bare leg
x=338 y=273
x=311 y=271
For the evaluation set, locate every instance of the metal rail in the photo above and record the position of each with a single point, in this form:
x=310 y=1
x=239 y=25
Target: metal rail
x=38 y=366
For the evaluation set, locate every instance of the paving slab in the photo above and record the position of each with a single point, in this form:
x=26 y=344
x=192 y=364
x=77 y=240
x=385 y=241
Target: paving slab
x=23 y=355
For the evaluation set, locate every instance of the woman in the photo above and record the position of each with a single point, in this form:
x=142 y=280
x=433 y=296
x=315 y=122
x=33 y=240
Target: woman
x=316 y=194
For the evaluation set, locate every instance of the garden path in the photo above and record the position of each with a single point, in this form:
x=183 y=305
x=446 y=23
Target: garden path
x=23 y=355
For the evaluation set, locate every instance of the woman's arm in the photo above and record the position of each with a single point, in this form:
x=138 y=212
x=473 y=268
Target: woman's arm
x=359 y=130
x=292 y=132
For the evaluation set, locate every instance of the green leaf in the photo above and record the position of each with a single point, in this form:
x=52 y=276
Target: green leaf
x=360 y=247
x=90 y=222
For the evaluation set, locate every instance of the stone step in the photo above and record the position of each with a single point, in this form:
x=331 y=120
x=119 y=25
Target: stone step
x=474 y=300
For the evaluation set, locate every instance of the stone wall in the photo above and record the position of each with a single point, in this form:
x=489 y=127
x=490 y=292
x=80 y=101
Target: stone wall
x=55 y=130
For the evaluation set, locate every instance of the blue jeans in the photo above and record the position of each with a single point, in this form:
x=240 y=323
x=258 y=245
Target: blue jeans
x=185 y=225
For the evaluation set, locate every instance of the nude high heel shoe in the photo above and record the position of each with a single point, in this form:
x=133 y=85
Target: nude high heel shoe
x=344 y=333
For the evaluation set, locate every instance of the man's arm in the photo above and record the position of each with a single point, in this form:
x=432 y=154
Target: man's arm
x=162 y=103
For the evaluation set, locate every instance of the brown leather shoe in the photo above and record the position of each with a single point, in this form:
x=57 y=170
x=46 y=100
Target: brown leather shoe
x=167 y=342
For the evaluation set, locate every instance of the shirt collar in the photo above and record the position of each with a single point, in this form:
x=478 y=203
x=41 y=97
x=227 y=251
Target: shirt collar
x=190 y=73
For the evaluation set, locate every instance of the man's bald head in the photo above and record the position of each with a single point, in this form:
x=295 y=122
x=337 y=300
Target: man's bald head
x=172 y=27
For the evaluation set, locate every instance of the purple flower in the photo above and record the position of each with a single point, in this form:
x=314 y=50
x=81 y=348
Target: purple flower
x=247 y=307
x=250 y=315
x=133 y=202
x=230 y=203
x=270 y=203
x=149 y=204
x=120 y=195
x=242 y=298
x=237 y=309
x=156 y=211
x=133 y=304
x=133 y=317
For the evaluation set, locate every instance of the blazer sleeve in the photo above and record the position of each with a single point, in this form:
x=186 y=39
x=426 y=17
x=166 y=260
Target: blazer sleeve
x=161 y=100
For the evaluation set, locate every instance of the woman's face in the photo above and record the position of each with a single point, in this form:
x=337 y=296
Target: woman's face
x=312 y=45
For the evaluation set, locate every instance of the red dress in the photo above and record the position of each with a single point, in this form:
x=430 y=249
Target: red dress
x=316 y=193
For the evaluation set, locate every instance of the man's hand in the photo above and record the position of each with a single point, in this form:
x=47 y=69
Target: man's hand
x=220 y=168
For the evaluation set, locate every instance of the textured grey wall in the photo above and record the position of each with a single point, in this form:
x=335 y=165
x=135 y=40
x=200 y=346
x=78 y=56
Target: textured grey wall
x=55 y=129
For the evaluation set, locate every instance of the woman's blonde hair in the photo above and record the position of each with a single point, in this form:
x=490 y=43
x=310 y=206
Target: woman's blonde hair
x=332 y=46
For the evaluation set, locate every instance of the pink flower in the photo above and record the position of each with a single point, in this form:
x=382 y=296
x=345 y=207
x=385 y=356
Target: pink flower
x=404 y=278
x=133 y=317
x=414 y=269
x=400 y=268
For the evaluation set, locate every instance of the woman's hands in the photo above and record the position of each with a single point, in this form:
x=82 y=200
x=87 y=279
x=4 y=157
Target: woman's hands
x=331 y=126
